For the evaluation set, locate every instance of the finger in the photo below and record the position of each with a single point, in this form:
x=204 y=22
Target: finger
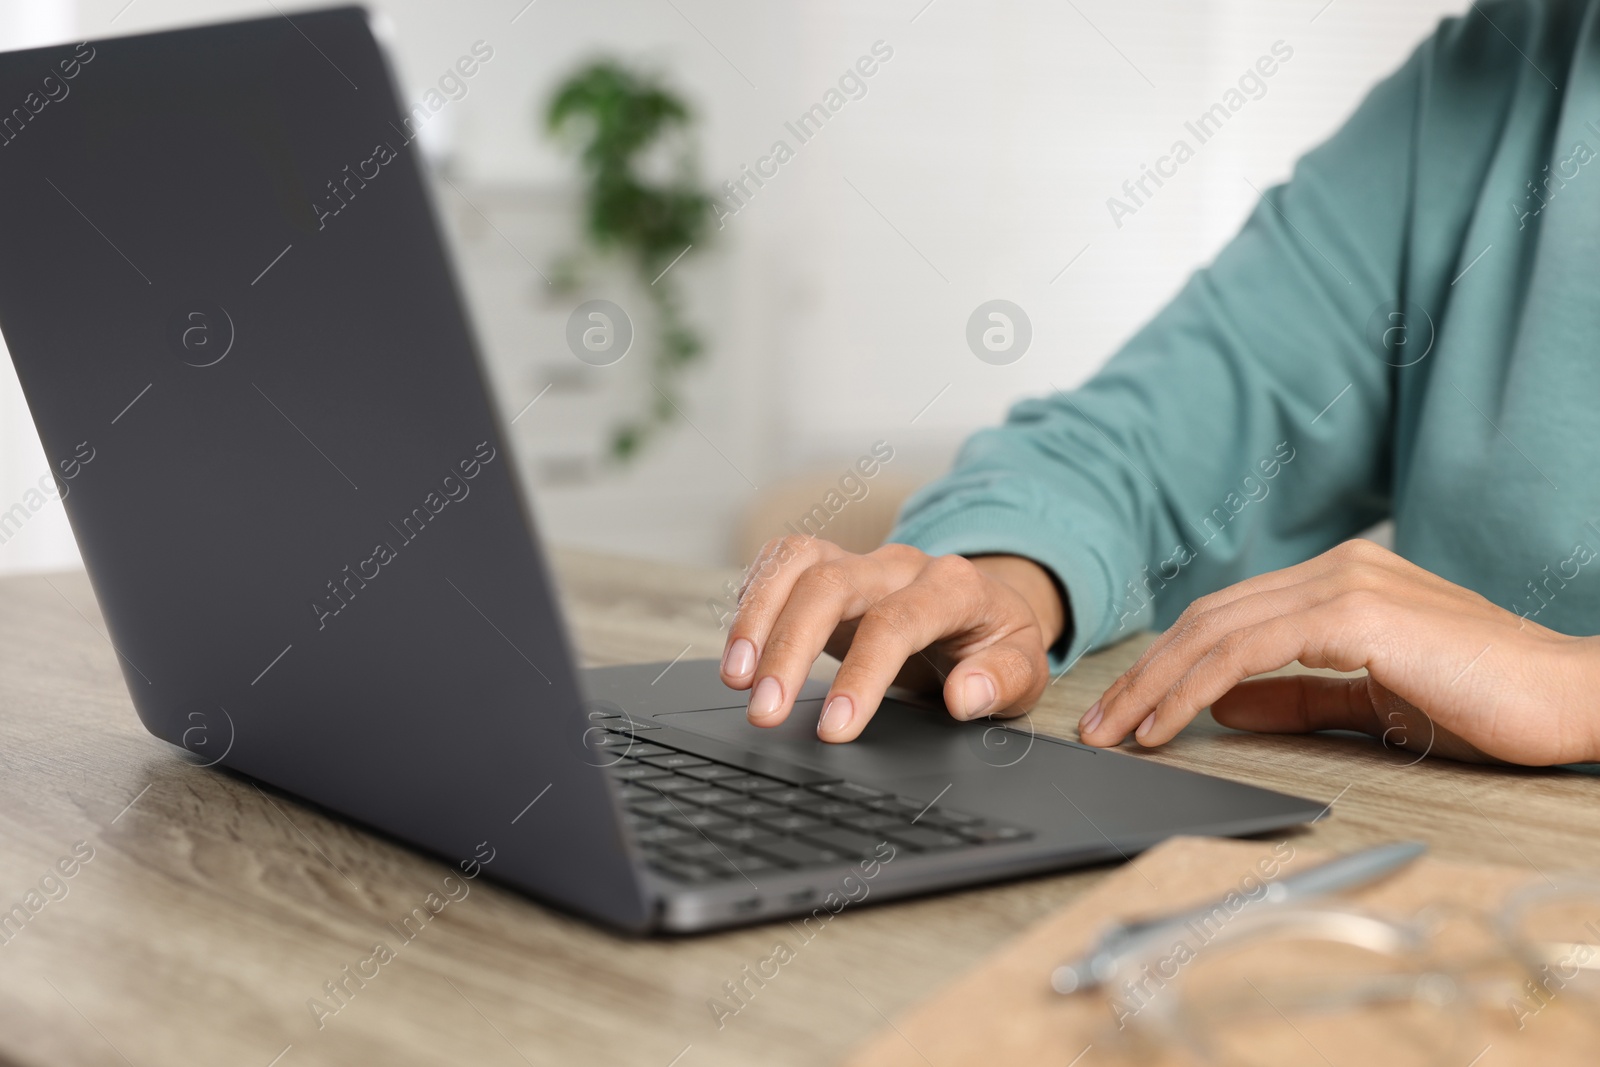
x=821 y=597
x=1304 y=704
x=941 y=602
x=1004 y=679
x=1238 y=655
x=1354 y=564
x=762 y=595
x=1259 y=591
x=1342 y=632
x=1131 y=699
x=920 y=673
x=1299 y=704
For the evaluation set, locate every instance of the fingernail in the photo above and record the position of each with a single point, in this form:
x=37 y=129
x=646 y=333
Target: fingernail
x=836 y=715
x=1091 y=719
x=977 y=694
x=740 y=659
x=1144 y=727
x=765 y=700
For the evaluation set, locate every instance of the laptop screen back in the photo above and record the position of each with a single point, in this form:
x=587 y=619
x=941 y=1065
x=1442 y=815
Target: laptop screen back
x=228 y=304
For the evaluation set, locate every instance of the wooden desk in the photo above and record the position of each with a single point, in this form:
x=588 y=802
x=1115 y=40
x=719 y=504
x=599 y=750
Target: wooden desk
x=211 y=912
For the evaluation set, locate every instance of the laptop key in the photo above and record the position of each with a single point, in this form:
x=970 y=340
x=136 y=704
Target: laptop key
x=924 y=839
x=628 y=771
x=730 y=863
x=849 y=791
x=851 y=843
x=700 y=851
x=757 y=783
x=747 y=863
x=829 y=809
x=714 y=772
x=659 y=805
x=709 y=795
x=908 y=807
x=738 y=834
x=874 y=823
x=662 y=834
x=675 y=784
x=792 y=823
x=791 y=797
x=621 y=735
x=794 y=852
x=665 y=757
x=697 y=819
x=627 y=745
x=750 y=809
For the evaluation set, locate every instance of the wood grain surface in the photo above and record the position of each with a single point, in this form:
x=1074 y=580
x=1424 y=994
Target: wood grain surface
x=210 y=913
x=1004 y=1011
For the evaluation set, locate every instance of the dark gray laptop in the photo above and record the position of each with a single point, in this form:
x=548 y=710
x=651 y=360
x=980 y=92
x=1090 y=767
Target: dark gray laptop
x=225 y=294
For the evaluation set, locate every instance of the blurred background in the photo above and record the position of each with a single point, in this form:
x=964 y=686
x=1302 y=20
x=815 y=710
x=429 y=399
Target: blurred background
x=822 y=313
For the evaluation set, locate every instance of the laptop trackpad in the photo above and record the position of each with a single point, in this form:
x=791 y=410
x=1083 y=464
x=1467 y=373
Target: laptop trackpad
x=901 y=742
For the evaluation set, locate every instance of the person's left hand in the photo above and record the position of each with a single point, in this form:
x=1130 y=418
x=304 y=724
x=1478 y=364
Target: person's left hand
x=1448 y=672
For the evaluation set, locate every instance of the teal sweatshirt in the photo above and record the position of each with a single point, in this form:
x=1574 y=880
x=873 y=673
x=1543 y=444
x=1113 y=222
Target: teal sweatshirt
x=1409 y=327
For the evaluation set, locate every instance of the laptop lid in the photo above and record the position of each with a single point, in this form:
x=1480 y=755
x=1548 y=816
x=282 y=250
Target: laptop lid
x=225 y=294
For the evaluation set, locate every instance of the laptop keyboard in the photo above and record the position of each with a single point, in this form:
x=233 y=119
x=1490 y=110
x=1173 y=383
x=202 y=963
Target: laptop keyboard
x=697 y=820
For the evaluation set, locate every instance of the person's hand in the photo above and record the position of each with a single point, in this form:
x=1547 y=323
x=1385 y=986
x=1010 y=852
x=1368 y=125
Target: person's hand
x=1447 y=671
x=978 y=628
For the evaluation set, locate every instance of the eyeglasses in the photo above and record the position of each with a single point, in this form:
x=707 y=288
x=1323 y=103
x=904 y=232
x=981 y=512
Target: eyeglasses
x=1340 y=987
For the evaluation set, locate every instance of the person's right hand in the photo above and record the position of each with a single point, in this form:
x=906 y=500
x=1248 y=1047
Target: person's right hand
x=977 y=628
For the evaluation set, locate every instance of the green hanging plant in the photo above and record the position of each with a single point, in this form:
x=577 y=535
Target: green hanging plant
x=614 y=118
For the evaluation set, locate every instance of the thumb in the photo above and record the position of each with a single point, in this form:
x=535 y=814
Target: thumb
x=1298 y=704
x=1003 y=679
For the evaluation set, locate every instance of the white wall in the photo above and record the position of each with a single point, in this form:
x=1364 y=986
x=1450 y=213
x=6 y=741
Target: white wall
x=45 y=540
x=983 y=152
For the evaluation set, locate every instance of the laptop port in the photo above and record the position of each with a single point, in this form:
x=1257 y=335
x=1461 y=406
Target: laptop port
x=745 y=907
x=801 y=896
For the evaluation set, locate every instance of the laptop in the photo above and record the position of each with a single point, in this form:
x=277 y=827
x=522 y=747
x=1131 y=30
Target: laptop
x=233 y=317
